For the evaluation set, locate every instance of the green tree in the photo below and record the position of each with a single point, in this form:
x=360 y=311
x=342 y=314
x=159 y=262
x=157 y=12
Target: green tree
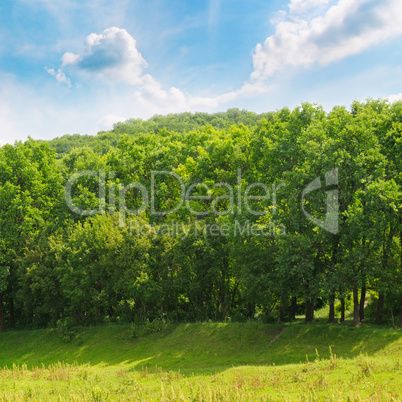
x=30 y=188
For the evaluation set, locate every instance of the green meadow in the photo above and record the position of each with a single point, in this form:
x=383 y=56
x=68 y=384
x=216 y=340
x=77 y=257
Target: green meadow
x=203 y=362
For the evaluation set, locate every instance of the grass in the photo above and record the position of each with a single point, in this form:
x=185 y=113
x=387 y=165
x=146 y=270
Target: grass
x=210 y=361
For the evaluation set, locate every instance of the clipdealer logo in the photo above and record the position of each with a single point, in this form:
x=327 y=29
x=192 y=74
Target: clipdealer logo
x=236 y=204
x=330 y=222
x=235 y=198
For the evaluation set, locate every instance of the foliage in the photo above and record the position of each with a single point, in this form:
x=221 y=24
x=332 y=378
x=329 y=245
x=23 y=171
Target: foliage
x=124 y=265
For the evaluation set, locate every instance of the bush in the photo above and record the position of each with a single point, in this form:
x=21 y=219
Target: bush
x=140 y=330
x=65 y=328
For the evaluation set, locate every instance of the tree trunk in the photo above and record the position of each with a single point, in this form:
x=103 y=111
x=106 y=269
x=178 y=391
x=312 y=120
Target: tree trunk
x=251 y=309
x=362 y=303
x=309 y=311
x=281 y=310
x=177 y=311
x=197 y=309
x=216 y=310
x=143 y=311
x=356 y=307
x=392 y=318
x=280 y=313
x=400 y=313
x=2 y=320
x=380 y=306
x=342 y=299
x=226 y=305
x=331 y=317
x=293 y=308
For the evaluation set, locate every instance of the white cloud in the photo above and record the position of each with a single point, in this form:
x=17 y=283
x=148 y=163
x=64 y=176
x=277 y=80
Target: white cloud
x=60 y=76
x=69 y=58
x=301 y=6
x=326 y=34
x=106 y=122
x=160 y=100
x=347 y=28
x=310 y=32
x=394 y=98
x=111 y=55
x=151 y=90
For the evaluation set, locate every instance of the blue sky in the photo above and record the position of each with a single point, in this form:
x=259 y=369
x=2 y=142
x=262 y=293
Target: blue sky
x=72 y=66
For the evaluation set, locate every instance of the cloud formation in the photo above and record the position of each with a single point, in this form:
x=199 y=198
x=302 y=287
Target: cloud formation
x=152 y=93
x=346 y=28
x=60 y=76
x=309 y=32
x=395 y=98
x=301 y=6
x=111 y=54
x=107 y=122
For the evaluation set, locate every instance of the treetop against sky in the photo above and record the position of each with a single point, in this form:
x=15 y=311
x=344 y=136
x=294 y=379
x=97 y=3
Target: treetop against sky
x=72 y=66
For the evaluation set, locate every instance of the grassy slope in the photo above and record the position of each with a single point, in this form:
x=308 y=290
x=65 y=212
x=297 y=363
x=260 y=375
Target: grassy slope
x=205 y=362
x=198 y=348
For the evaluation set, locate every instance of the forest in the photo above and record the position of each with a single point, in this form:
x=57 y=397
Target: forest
x=96 y=229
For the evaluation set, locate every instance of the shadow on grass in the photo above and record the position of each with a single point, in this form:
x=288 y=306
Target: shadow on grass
x=197 y=348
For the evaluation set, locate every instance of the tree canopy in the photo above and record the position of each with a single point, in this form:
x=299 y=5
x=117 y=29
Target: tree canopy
x=200 y=216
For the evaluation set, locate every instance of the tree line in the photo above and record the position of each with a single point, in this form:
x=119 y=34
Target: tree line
x=246 y=243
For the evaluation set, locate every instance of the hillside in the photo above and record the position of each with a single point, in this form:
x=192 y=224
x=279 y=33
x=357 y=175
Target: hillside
x=225 y=361
x=196 y=348
x=178 y=122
